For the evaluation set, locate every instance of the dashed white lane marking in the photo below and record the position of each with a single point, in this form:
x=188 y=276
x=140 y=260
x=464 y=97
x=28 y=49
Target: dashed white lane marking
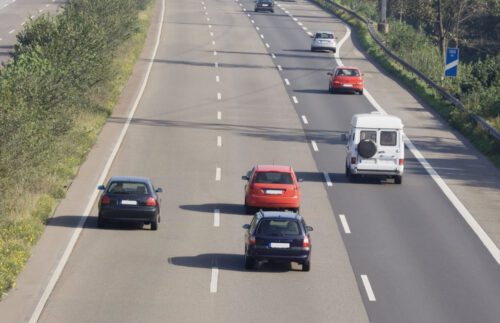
x=261 y=36
x=368 y=288
x=310 y=33
x=248 y=15
x=294 y=98
x=287 y=12
x=343 y=220
x=267 y=45
x=219 y=115
x=304 y=28
x=209 y=26
x=257 y=28
x=219 y=141
x=0 y=39
x=273 y=56
x=217 y=78
x=219 y=96
x=295 y=19
x=213 y=280
x=213 y=42
x=314 y=145
x=253 y=21
x=208 y=19
x=216 y=65
x=280 y=68
x=77 y=231
x=327 y=179
x=212 y=34
x=206 y=13
x=244 y=9
x=287 y=82
x=217 y=174
x=216 y=218
x=13 y=30
x=215 y=53
x=299 y=23
x=47 y=5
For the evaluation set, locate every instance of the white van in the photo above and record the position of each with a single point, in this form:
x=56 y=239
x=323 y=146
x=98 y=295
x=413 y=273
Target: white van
x=375 y=147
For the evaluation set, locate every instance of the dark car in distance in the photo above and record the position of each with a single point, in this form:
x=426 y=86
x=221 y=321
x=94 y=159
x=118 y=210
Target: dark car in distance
x=264 y=5
x=277 y=236
x=129 y=199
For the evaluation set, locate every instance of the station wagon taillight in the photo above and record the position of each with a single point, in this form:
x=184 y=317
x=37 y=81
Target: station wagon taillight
x=306 y=243
x=105 y=200
x=251 y=240
x=151 y=201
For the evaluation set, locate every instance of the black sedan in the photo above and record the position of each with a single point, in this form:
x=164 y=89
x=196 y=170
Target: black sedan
x=277 y=236
x=130 y=199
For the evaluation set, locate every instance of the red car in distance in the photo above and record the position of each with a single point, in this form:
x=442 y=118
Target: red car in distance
x=345 y=79
x=271 y=187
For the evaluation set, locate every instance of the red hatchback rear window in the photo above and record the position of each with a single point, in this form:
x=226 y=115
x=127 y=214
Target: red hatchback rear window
x=273 y=178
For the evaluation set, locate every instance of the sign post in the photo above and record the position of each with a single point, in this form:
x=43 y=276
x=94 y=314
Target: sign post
x=451 y=68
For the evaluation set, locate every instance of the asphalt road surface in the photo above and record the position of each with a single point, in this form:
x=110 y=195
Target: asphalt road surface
x=229 y=89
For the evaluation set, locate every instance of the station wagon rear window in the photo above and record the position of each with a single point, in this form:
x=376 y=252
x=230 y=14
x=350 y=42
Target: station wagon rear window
x=279 y=227
x=388 y=138
x=273 y=178
x=128 y=188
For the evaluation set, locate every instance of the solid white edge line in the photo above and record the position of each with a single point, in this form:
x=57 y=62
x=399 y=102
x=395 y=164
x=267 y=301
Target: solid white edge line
x=216 y=218
x=217 y=173
x=314 y=145
x=214 y=279
x=368 y=288
x=76 y=233
x=343 y=220
x=294 y=98
x=219 y=141
x=327 y=179
x=304 y=119
x=287 y=82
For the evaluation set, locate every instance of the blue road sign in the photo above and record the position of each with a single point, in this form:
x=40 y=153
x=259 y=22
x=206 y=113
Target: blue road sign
x=451 y=68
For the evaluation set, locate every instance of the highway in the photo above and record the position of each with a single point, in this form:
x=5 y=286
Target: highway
x=229 y=89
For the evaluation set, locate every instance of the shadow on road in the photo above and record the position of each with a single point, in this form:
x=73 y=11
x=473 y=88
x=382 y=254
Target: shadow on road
x=224 y=208
x=72 y=221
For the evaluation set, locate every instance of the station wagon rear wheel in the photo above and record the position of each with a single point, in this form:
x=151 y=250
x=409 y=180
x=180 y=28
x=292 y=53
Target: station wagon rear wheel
x=306 y=265
x=154 y=223
x=249 y=262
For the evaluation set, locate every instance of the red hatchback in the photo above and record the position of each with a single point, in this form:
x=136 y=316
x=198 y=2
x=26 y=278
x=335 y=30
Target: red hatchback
x=347 y=79
x=271 y=187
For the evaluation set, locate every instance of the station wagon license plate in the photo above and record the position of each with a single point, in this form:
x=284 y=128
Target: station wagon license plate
x=274 y=192
x=279 y=245
x=129 y=202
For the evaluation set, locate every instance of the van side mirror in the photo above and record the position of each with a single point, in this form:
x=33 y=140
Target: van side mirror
x=101 y=188
x=246 y=226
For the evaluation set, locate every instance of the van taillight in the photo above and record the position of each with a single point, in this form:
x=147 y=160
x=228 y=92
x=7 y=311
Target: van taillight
x=251 y=240
x=353 y=160
x=105 y=200
x=151 y=201
x=401 y=162
x=306 y=243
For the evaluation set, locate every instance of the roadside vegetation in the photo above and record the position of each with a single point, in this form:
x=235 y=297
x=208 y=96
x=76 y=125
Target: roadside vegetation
x=418 y=32
x=64 y=78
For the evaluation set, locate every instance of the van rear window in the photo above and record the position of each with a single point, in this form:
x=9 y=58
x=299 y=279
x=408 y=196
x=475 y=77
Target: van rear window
x=388 y=138
x=368 y=134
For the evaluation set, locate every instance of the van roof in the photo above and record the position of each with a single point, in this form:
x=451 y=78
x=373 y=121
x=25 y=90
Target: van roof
x=376 y=120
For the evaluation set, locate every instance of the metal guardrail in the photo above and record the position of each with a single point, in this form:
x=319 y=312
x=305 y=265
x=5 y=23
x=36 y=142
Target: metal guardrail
x=456 y=102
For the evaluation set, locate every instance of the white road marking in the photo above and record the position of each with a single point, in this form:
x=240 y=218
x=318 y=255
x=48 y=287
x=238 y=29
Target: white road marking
x=219 y=115
x=41 y=10
x=13 y=30
x=216 y=218
x=257 y=28
x=219 y=141
x=273 y=56
x=217 y=174
x=343 y=220
x=304 y=28
x=299 y=23
x=280 y=68
x=219 y=96
x=213 y=42
x=208 y=19
x=0 y=39
x=212 y=34
x=23 y=23
x=327 y=179
x=215 y=53
x=46 y=5
x=213 y=281
x=368 y=288
x=267 y=45
x=261 y=36
x=294 y=98
x=287 y=82
x=33 y=17
x=76 y=232
x=216 y=65
x=309 y=33
x=287 y=12
x=314 y=145
x=248 y=15
x=295 y=19
x=253 y=21
x=217 y=78
x=244 y=9
x=206 y=13
x=209 y=26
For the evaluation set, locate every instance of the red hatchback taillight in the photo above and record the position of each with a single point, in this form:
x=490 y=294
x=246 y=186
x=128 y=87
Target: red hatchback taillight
x=105 y=200
x=401 y=162
x=151 y=202
x=306 y=243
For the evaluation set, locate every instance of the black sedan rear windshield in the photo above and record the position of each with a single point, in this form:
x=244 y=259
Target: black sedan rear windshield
x=279 y=227
x=128 y=188
x=273 y=178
